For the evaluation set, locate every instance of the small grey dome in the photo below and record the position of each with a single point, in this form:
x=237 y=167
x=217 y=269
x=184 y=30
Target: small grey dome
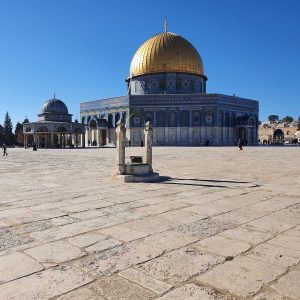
x=55 y=106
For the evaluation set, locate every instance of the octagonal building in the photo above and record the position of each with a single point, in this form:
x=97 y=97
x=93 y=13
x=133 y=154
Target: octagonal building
x=167 y=85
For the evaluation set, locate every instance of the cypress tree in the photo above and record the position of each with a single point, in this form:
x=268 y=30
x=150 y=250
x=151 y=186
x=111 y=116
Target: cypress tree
x=19 y=137
x=1 y=134
x=9 y=137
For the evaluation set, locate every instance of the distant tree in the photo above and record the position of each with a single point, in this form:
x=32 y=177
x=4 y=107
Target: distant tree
x=19 y=136
x=287 y=119
x=1 y=134
x=259 y=122
x=273 y=118
x=8 y=136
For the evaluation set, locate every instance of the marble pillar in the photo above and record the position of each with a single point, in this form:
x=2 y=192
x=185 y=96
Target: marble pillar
x=120 y=145
x=148 y=144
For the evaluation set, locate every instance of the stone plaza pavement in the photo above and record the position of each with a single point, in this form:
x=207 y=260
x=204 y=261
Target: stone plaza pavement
x=222 y=224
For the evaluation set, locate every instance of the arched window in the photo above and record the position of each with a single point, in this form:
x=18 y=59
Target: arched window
x=184 y=118
x=209 y=117
x=227 y=119
x=82 y=120
x=172 y=119
x=61 y=129
x=196 y=118
x=93 y=124
x=117 y=118
x=42 y=129
x=148 y=116
x=110 y=121
x=160 y=119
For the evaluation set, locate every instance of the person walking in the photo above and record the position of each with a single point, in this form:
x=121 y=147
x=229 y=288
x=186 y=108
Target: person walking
x=4 y=147
x=240 y=144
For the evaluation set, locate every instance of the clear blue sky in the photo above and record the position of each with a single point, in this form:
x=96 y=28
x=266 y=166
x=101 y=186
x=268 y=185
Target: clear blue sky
x=81 y=49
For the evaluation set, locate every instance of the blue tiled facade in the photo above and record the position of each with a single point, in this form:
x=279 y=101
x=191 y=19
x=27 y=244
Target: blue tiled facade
x=178 y=119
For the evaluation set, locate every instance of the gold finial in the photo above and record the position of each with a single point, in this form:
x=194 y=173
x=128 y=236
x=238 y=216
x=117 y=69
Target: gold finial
x=166 y=25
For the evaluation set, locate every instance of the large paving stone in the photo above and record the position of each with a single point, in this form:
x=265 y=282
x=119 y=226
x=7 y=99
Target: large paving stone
x=87 y=239
x=242 y=276
x=9 y=239
x=148 y=282
x=81 y=294
x=115 y=287
x=44 y=285
x=223 y=246
x=253 y=237
x=16 y=265
x=119 y=258
x=287 y=241
x=289 y=285
x=179 y=265
x=204 y=228
x=169 y=240
x=151 y=225
x=55 y=252
x=275 y=255
x=194 y=292
x=123 y=233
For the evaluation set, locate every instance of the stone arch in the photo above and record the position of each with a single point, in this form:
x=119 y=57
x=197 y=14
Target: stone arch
x=117 y=118
x=78 y=130
x=43 y=129
x=93 y=124
x=28 y=129
x=62 y=129
x=278 y=134
x=148 y=116
x=251 y=121
x=110 y=121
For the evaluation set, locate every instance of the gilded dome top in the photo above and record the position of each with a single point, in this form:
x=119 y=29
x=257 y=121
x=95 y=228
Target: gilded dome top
x=166 y=52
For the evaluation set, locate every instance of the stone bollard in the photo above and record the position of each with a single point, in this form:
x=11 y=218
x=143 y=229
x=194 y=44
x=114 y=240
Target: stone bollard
x=120 y=154
x=148 y=144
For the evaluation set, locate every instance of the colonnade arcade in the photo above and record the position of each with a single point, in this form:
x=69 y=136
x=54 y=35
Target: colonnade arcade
x=54 y=135
x=98 y=131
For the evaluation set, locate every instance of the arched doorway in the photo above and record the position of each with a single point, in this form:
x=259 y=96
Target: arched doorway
x=278 y=136
x=92 y=139
x=60 y=138
x=43 y=137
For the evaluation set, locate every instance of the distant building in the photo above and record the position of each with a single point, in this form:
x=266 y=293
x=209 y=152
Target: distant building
x=54 y=128
x=277 y=133
x=167 y=85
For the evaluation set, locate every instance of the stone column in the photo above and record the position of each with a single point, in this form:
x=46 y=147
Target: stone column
x=178 y=128
x=83 y=140
x=52 y=140
x=120 y=144
x=100 y=137
x=148 y=144
x=191 y=128
x=70 y=140
x=38 y=141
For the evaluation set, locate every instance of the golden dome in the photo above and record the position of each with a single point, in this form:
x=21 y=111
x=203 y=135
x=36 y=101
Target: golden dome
x=166 y=52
